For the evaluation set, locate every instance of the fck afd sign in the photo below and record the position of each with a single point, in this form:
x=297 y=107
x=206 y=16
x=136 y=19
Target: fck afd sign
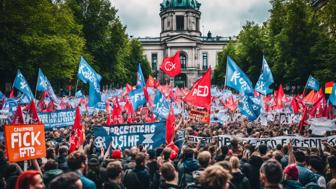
x=25 y=142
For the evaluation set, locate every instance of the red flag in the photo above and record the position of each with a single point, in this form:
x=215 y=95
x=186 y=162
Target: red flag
x=150 y=82
x=295 y=105
x=116 y=112
x=170 y=126
x=303 y=119
x=11 y=94
x=129 y=88
x=200 y=94
x=148 y=99
x=171 y=65
x=18 y=117
x=33 y=112
x=279 y=98
x=51 y=107
x=310 y=97
x=230 y=104
x=77 y=134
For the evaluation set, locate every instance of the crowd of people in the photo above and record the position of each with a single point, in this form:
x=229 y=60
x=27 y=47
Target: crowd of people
x=209 y=166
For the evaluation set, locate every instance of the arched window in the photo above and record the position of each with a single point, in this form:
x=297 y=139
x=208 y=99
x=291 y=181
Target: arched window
x=183 y=59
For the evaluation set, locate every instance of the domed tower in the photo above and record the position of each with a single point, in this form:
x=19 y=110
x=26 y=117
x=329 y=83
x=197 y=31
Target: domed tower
x=180 y=17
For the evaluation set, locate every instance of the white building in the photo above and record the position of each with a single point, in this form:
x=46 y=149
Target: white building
x=180 y=30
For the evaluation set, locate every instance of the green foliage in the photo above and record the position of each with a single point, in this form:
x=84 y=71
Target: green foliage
x=296 y=41
x=38 y=34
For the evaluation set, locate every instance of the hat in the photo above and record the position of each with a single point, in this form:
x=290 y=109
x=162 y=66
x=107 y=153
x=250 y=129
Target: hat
x=93 y=162
x=292 y=171
x=116 y=154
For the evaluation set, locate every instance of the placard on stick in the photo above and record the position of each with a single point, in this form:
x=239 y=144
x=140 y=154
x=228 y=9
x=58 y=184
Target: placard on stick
x=25 y=142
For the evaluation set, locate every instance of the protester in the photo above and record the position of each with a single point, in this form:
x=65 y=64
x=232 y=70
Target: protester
x=68 y=180
x=215 y=177
x=139 y=177
x=170 y=176
x=30 y=180
x=291 y=177
x=114 y=172
x=271 y=175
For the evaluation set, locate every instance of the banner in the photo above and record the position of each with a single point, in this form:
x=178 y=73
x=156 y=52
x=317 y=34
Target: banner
x=151 y=135
x=57 y=119
x=297 y=141
x=200 y=115
x=25 y=142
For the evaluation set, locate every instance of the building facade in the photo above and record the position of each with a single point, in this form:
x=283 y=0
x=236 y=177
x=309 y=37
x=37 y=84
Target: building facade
x=180 y=31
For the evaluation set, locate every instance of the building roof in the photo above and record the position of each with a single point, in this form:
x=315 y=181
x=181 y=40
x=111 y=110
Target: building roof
x=180 y=4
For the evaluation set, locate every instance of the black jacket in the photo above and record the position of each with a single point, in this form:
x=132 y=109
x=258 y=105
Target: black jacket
x=251 y=171
x=240 y=181
x=138 y=178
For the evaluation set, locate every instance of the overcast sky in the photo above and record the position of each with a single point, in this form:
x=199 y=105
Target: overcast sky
x=221 y=17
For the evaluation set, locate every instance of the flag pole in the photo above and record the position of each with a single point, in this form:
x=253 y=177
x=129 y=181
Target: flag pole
x=76 y=86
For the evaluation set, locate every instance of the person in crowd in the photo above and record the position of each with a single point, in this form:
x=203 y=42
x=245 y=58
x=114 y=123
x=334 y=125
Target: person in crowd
x=291 y=178
x=331 y=171
x=31 y=179
x=305 y=175
x=186 y=166
x=169 y=175
x=271 y=174
x=139 y=177
x=114 y=172
x=215 y=177
x=69 y=180
x=251 y=169
x=317 y=166
x=77 y=163
x=239 y=180
x=51 y=171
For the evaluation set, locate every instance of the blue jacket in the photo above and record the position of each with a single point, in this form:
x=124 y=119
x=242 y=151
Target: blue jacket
x=305 y=175
x=87 y=183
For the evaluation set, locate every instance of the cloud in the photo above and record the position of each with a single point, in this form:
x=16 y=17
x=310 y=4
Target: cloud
x=221 y=17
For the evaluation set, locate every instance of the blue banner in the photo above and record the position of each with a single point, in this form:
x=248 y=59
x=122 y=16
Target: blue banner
x=312 y=83
x=57 y=119
x=43 y=84
x=88 y=75
x=265 y=79
x=236 y=78
x=140 y=78
x=151 y=135
x=137 y=98
x=21 y=84
x=246 y=108
x=332 y=97
x=161 y=105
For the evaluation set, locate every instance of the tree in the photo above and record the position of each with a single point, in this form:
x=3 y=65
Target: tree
x=38 y=34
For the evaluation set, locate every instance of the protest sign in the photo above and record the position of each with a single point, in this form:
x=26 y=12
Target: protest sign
x=57 y=119
x=151 y=135
x=297 y=141
x=25 y=142
x=201 y=115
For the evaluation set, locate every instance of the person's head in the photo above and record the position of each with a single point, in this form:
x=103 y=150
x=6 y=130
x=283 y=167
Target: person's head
x=29 y=180
x=63 y=150
x=300 y=156
x=50 y=153
x=224 y=150
x=68 y=180
x=291 y=172
x=316 y=164
x=116 y=154
x=166 y=153
x=140 y=159
x=77 y=160
x=215 y=177
x=188 y=153
x=271 y=173
x=204 y=158
x=51 y=164
x=262 y=149
x=114 y=171
x=235 y=163
x=168 y=172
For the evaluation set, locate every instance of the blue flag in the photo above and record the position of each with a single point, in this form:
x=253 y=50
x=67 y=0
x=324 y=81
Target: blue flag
x=43 y=84
x=21 y=84
x=161 y=105
x=265 y=79
x=88 y=75
x=312 y=83
x=138 y=98
x=237 y=79
x=79 y=94
x=140 y=78
x=256 y=105
x=246 y=108
x=332 y=97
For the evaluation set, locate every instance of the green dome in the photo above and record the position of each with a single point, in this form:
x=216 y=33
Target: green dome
x=180 y=4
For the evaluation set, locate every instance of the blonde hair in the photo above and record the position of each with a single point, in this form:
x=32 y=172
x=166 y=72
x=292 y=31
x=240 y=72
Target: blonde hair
x=235 y=163
x=215 y=177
